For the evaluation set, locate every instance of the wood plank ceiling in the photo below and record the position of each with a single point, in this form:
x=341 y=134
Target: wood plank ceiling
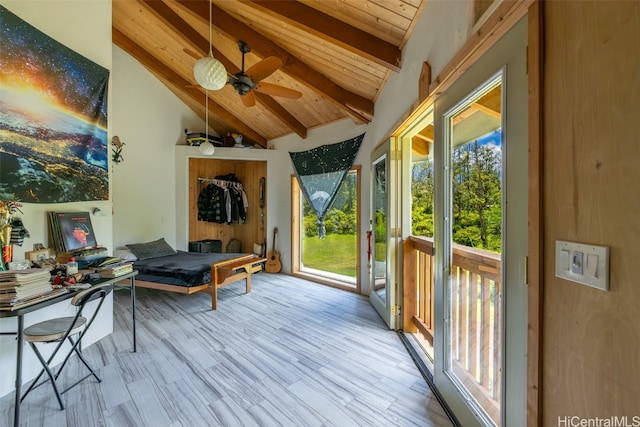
x=337 y=53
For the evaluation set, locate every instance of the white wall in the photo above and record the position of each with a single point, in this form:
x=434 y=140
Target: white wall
x=84 y=27
x=150 y=120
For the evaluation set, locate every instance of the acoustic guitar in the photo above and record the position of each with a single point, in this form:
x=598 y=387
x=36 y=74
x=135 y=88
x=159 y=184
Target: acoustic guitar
x=273 y=264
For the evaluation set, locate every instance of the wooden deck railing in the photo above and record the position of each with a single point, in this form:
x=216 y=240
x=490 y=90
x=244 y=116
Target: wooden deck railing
x=476 y=298
x=418 y=286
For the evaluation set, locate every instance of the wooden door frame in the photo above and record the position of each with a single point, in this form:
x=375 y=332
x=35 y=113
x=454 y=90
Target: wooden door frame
x=535 y=264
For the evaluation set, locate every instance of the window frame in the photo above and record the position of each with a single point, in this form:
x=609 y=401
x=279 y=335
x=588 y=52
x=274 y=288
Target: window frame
x=296 y=240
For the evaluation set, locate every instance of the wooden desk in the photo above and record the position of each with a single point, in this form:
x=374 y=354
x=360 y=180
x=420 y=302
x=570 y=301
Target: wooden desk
x=20 y=312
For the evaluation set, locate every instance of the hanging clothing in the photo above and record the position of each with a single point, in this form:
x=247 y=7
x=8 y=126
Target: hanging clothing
x=223 y=200
x=238 y=209
x=18 y=232
x=211 y=206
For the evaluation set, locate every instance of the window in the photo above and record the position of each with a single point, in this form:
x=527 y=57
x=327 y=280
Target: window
x=335 y=259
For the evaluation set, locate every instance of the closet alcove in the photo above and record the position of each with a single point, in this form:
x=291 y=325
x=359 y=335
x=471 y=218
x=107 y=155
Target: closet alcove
x=249 y=173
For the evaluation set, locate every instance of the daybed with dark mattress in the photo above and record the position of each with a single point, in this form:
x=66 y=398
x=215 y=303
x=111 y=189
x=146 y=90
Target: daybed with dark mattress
x=189 y=272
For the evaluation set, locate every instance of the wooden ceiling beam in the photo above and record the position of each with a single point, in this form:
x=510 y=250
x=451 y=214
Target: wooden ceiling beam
x=491 y=102
x=487 y=110
x=190 y=36
x=296 y=68
x=158 y=68
x=358 y=117
x=187 y=33
x=422 y=137
x=280 y=112
x=427 y=133
x=419 y=146
x=330 y=29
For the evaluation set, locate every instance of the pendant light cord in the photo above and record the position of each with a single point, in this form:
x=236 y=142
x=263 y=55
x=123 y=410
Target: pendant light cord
x=206 y=113
x=206 y=91
x=210 y=30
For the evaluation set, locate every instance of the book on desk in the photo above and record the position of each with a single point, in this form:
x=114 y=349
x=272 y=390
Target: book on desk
x=115 y=270
x=19 y=288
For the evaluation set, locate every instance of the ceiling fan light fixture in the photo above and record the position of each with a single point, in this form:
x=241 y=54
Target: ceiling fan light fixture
x=210 y=73
x=242 y=88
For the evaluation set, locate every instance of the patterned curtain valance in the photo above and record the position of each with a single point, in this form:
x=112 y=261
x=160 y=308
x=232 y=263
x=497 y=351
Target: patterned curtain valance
x=321 y=171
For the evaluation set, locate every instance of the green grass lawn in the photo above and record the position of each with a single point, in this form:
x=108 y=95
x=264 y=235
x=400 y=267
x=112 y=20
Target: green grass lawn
x=335 y=254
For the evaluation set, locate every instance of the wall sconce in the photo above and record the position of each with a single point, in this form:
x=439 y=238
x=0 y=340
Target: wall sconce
x=117 y=151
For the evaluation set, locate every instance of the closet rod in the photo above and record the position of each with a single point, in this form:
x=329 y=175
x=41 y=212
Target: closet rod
x=221 y=182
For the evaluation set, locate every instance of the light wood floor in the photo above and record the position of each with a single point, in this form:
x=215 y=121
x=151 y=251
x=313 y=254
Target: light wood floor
x=290 y=353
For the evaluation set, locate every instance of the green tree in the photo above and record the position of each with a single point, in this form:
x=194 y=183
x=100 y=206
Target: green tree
x=477 y=196
x=341 y=217
x=477 y=201
x=422 y=198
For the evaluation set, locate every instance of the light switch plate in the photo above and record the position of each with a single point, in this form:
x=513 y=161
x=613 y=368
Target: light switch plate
x=594 y=264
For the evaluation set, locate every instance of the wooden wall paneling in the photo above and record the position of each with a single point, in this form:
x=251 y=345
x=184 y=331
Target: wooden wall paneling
x=249 y=172
x=591 y=338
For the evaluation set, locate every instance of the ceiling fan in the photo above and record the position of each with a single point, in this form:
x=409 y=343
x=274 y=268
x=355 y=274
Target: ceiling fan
x=245 y=82
x=249 y=80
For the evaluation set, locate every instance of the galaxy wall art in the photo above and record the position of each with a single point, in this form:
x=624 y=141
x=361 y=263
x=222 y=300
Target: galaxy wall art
x=53 y=119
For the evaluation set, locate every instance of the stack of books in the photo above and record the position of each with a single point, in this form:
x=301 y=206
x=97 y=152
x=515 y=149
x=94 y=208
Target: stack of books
x=111 y=271
x=19 y=288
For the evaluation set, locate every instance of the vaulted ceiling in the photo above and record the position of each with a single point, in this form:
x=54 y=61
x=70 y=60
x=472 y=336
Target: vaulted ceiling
x=337 y=53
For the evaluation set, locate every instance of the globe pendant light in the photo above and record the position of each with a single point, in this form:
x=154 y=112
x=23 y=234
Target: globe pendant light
x=207 y=148
x=208 y=71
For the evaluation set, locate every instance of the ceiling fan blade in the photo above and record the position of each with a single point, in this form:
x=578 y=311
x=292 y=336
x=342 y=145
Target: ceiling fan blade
x=277 y=90
x=249 y=100
x=264 y=68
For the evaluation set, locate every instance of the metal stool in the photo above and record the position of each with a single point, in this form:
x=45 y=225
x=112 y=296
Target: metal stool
x=60 y=330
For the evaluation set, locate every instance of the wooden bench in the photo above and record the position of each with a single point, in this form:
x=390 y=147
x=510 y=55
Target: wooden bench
x=226 y=272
